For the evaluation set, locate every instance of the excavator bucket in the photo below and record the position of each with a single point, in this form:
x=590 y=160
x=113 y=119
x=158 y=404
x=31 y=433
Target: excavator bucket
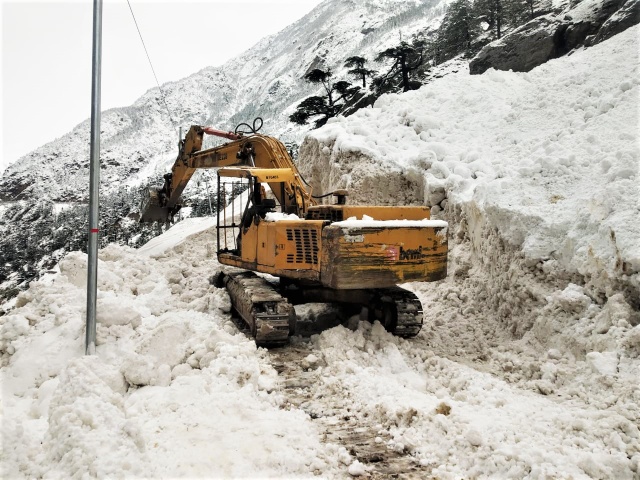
x=150 y=209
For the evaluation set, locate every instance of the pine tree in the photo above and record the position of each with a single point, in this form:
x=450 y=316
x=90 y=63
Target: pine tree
x=531 y=5
x=326 y=105
x=518 y=12
x=458 y=28
x=356 y=64
x=406 y=59
x=493 y=12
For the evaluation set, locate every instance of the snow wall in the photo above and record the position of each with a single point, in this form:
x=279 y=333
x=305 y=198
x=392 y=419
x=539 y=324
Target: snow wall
x=537 y=174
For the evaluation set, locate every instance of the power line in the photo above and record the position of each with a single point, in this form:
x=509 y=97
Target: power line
x=152 y=69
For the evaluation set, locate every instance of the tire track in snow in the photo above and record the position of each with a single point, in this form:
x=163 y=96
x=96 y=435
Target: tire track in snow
x=303 y=386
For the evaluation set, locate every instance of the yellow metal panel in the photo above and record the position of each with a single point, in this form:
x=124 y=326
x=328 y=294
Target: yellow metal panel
x=382 y=256
x=302 y=274
x=250 y=244
x=298 y=244
x=266 y=247
x=263 y=175
x=282 y=245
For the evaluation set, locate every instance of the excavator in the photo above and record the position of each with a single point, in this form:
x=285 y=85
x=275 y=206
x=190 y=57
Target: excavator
x=351 y=255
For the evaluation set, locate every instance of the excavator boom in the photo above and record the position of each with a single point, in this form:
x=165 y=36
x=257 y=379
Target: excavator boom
x=253 y=150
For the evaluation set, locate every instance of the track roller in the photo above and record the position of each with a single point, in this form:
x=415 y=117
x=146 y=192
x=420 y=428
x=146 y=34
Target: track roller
x=398 y=310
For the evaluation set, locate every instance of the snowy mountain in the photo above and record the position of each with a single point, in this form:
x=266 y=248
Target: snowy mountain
x=139 y=141
x=527 y=366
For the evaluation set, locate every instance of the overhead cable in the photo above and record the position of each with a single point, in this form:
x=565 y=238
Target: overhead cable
x=152 y=69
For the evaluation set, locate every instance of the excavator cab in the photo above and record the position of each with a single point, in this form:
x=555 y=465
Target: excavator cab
x=248 y=238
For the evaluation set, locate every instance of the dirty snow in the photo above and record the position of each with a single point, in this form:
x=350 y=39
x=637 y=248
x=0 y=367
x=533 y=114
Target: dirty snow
x=528 y=363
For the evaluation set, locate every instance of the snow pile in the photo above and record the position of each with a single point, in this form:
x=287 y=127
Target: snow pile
x=367 y=221
x=279 y=216
x=455 y=422
x=537 y=176
x=549 y=158
x=537 y=171
x=175 y=388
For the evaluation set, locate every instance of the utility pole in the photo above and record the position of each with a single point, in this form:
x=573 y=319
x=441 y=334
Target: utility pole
x=94 y=182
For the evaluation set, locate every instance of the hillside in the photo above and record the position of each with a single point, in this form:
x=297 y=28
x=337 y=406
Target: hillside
x=43 y=211
x=526 y=367
x=139 y=141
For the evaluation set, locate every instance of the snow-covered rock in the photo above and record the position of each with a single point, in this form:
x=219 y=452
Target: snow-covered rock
x=550 y=36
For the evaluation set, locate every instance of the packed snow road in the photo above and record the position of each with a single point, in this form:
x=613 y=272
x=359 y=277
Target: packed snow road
x=176 y=390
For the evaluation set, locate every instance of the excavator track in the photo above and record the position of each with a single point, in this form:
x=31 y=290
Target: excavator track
x=269 y=316
x=399 y=311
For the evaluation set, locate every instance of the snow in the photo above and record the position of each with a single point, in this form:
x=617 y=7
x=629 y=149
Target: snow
x=353 y=222
x=526 y=149
x=527 y=366
x=175 y=236
x=279 y=216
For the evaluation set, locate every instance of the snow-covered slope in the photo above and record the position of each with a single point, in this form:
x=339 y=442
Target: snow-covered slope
x=528 y=363
x=550 y=158
x=267 y=80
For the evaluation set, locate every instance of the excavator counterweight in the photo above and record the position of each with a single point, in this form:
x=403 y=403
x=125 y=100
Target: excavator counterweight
x=350 y=255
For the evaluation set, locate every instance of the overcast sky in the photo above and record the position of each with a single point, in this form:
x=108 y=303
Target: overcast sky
x=46 y=55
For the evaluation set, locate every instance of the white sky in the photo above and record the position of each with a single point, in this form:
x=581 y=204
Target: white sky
x=46 y=55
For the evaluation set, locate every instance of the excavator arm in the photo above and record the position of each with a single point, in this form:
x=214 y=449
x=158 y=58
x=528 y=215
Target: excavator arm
x=253 y=150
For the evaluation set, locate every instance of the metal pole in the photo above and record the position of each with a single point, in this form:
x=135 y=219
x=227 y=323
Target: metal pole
x=94 y=182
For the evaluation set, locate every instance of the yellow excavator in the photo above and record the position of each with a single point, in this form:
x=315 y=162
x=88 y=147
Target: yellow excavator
x=354 y=256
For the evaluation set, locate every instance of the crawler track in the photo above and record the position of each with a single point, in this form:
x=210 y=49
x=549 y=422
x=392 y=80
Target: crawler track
x=399 y=310
x=268 y=311
x=269 y=316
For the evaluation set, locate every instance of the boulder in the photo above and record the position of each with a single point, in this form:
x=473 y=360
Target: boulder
x=627 y=16
x=584 y=20
x=526 y=47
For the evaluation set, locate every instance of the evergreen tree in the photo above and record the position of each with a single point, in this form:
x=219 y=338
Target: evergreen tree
x=531 y=5
x=406 y=59
x=493 y=12
x=518 y=12
x=457 y=29
x=356 y=64
x=326 y=105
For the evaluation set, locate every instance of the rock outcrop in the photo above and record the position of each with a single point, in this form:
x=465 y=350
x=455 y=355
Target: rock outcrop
x=627 y=16
x=528 y=46
x=551 y=36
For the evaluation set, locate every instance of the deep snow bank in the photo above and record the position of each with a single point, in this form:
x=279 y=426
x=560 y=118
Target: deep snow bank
x=548 y=158
x=175 y=390
x=537 y=175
